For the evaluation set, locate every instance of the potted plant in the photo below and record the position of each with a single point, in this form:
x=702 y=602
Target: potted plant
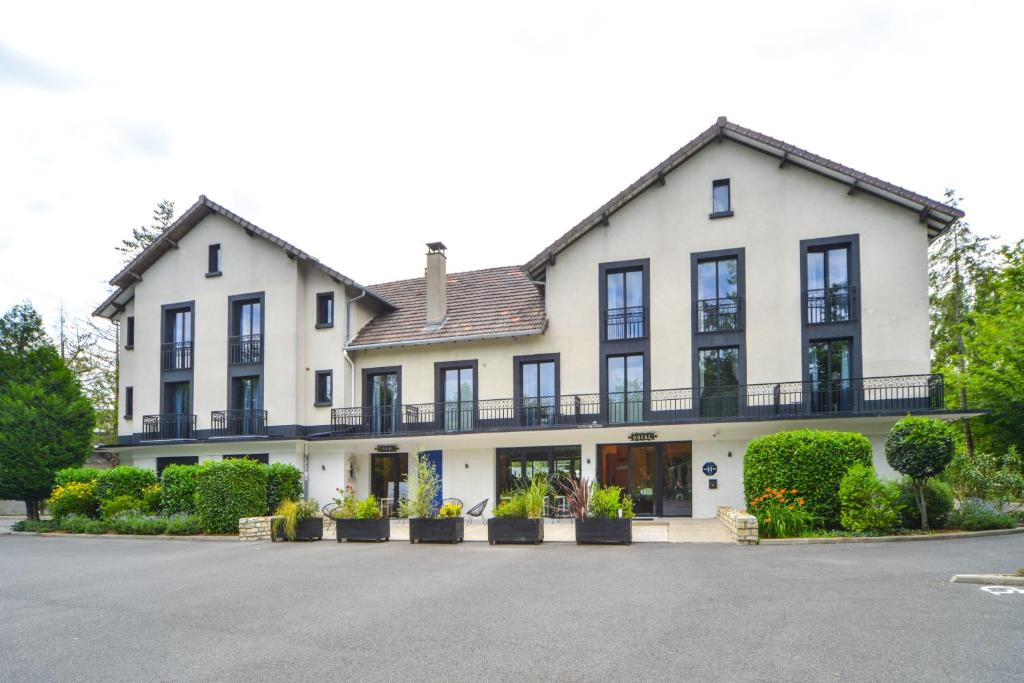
x=425 y=524
x=297 y=521
x=517 y=519
x=360 y=520
x=603 y=514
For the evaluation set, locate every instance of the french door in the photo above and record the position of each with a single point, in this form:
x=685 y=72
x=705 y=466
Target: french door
x=831 y=389
x=626 y=388
x=389 y=476
x=658 y=476
x=457 y=384
x=384 y=402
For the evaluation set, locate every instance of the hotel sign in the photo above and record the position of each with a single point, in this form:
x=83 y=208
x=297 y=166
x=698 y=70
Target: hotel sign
x=643 y=436
x=387 y=448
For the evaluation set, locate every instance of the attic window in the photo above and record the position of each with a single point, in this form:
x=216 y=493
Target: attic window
x=324 y=310
x=721 y=199
x=213 y=261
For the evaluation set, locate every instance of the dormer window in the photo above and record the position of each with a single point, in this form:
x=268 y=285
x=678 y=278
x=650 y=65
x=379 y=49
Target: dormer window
x=721 y=199
x=213 y=261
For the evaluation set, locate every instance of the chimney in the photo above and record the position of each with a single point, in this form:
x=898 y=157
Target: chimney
x=437 y=283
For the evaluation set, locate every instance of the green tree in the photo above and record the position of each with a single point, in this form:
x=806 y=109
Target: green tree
x=920 y=448
x=144 y=235
x=90 y=352
x=959 y=262
x=46 y=422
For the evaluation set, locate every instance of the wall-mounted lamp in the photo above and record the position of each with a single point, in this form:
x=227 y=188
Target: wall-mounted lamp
x=323 y=467
x=467 y=465
x=730 y=454
x=588 y=461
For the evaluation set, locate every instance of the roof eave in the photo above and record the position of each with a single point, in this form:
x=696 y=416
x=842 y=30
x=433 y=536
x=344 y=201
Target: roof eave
x=445 y=340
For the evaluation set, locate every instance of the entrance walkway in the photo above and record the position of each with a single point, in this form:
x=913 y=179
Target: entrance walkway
x=663 y=530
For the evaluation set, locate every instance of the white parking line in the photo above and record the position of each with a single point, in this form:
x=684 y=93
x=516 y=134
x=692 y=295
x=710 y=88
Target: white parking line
x=1003 y=590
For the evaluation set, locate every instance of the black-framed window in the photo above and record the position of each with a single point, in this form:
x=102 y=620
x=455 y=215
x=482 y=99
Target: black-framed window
x=625 y=387
x=129 y=332
x=325 y=309
x=382 y=396
x=625 y=314
x=718 y=294
x=718 y=375
x=830 y=368
x=213 y=260
x=516 y=467
x=456 y=394
x=721 y=198
x=830 y=296
x=129 y=402
x=177 y=345
x=537 y=389
x=256 y=457
x=324 y=387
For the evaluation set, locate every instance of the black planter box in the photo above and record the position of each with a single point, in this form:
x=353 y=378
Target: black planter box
x=448 y=530
x=515 y=530
x=363 y=529
x=309 y=529
x=593 y=531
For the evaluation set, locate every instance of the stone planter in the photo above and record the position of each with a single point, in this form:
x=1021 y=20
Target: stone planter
x=515 y=530
x=363 y=529
x=604 y=531
x=309 y=529
x=448 y=530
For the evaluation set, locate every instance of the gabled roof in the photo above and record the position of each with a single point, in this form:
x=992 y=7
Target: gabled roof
x=482 y=304
x=132 y=273
x=935 y=214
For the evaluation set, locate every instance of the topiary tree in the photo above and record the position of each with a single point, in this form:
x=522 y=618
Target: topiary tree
x=920 y=448
x=812 y=462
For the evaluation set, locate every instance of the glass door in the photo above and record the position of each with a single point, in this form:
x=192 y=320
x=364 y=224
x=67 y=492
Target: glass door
x=658 y=477
x=718 y=374
x=389 y=475
x=677 y=480
x=384 y=402
x=626 y=388
x=458 y=399
x=538 y=391
x=829 y=366
x=177 y=421
x=643 y=478
x=246 y=402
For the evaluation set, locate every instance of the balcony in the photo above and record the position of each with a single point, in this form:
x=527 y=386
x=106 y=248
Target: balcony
x=718 y=315
x=242 y=422
x=832 y=305
x=625 y=323
x=749 y=402
x=245 y=348
x=176 y=355
x=168 y=426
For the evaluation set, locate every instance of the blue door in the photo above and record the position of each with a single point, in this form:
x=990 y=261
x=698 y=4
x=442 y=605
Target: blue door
x=434 y=458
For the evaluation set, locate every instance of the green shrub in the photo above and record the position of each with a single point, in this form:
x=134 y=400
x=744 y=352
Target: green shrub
x=289 y=513
x=450 y=510
x=151 y=499
x=284 y=482
x=527 y=501
x=228 y=490
x=921 y=448
x=938 y=497
x=867 y=503
x=782 y=513
x=139 y=525
x=367 y=508
x=123 y=481
x=35 y=525
x=974 y=516
x=70 y=474
x=183 y=525
x=606 y=501
x=120 y=505
x=513 y=506
x=74 y=498
x=178 y=489
x=420 y=499
x=79 y=524
x=813 y=462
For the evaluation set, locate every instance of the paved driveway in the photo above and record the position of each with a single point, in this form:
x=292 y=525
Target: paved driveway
x=99 y=609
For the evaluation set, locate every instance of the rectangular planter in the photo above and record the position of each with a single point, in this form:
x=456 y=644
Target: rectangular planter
x=311 y=529
x=363 y=529
x=604 y=531
x=449 y=530
x=514 y=530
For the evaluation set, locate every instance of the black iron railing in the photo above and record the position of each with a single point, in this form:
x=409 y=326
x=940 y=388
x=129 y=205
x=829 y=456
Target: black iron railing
x=241 y=422
x=718 y=315
x=168 y=426
x=625 y=323
x=831 y=305
x=869 y=395
x=245 y=348
x=176 y=355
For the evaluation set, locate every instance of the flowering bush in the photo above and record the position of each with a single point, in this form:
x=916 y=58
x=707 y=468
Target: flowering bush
x=151 y=499
x=781 y=513
x=450 y=510
x=74 y=498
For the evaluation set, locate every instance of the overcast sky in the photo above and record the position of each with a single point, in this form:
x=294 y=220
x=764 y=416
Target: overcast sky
x=359 y=131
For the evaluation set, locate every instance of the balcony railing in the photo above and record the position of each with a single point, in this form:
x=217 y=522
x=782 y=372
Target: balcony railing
x=832 y=305
x=744 y=402
x=176 y=355
x=718 y=315
x=240 y=422
x=168 y=426
x=245 y=348
x=625 y=323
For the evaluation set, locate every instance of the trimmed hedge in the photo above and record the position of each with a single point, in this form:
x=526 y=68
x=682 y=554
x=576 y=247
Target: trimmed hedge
x=69 y=474
x=178 y=489
x=810 y=461
x=284 y=482
x=228 y=490
x=123 y=481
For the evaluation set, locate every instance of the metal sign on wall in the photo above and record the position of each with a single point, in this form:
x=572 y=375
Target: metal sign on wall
x=643 y=436
x=387 y=448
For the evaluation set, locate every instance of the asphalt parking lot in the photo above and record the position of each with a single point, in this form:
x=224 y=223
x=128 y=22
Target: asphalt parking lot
x=111 y=609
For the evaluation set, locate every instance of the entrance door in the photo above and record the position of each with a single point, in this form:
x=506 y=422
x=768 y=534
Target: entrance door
x=389 y=475
x=829 y=366
x=656 y=476
x=677 y=480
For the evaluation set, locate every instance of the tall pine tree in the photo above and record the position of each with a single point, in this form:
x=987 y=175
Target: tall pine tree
x=145 y=235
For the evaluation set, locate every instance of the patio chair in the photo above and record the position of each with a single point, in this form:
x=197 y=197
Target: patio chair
x=477 y=511
x=327 y=511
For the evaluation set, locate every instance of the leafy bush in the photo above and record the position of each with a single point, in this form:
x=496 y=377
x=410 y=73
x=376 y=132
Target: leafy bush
x=79 y=524
x=139 y=525
x=975 y=516
x=35 y=525
x=994 y=477
x=284 y=482
x=229 y=490
x=80 y=474
x=449 y=510
x=183 y=525
x=514 y=506
x=814 y=462
x=178 y=489
x=74 y=498
x=367 y=508
x=289 y=513
x=938 y=498
x=920 y=448
x=120 y=505
x=525 y=502
x=782 y=513
x=867 y=503
x=151 y=499
x=606 y=501
x=421 y=495
x=123 y=481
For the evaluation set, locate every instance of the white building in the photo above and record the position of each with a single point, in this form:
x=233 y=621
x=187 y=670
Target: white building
x=741 y=287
